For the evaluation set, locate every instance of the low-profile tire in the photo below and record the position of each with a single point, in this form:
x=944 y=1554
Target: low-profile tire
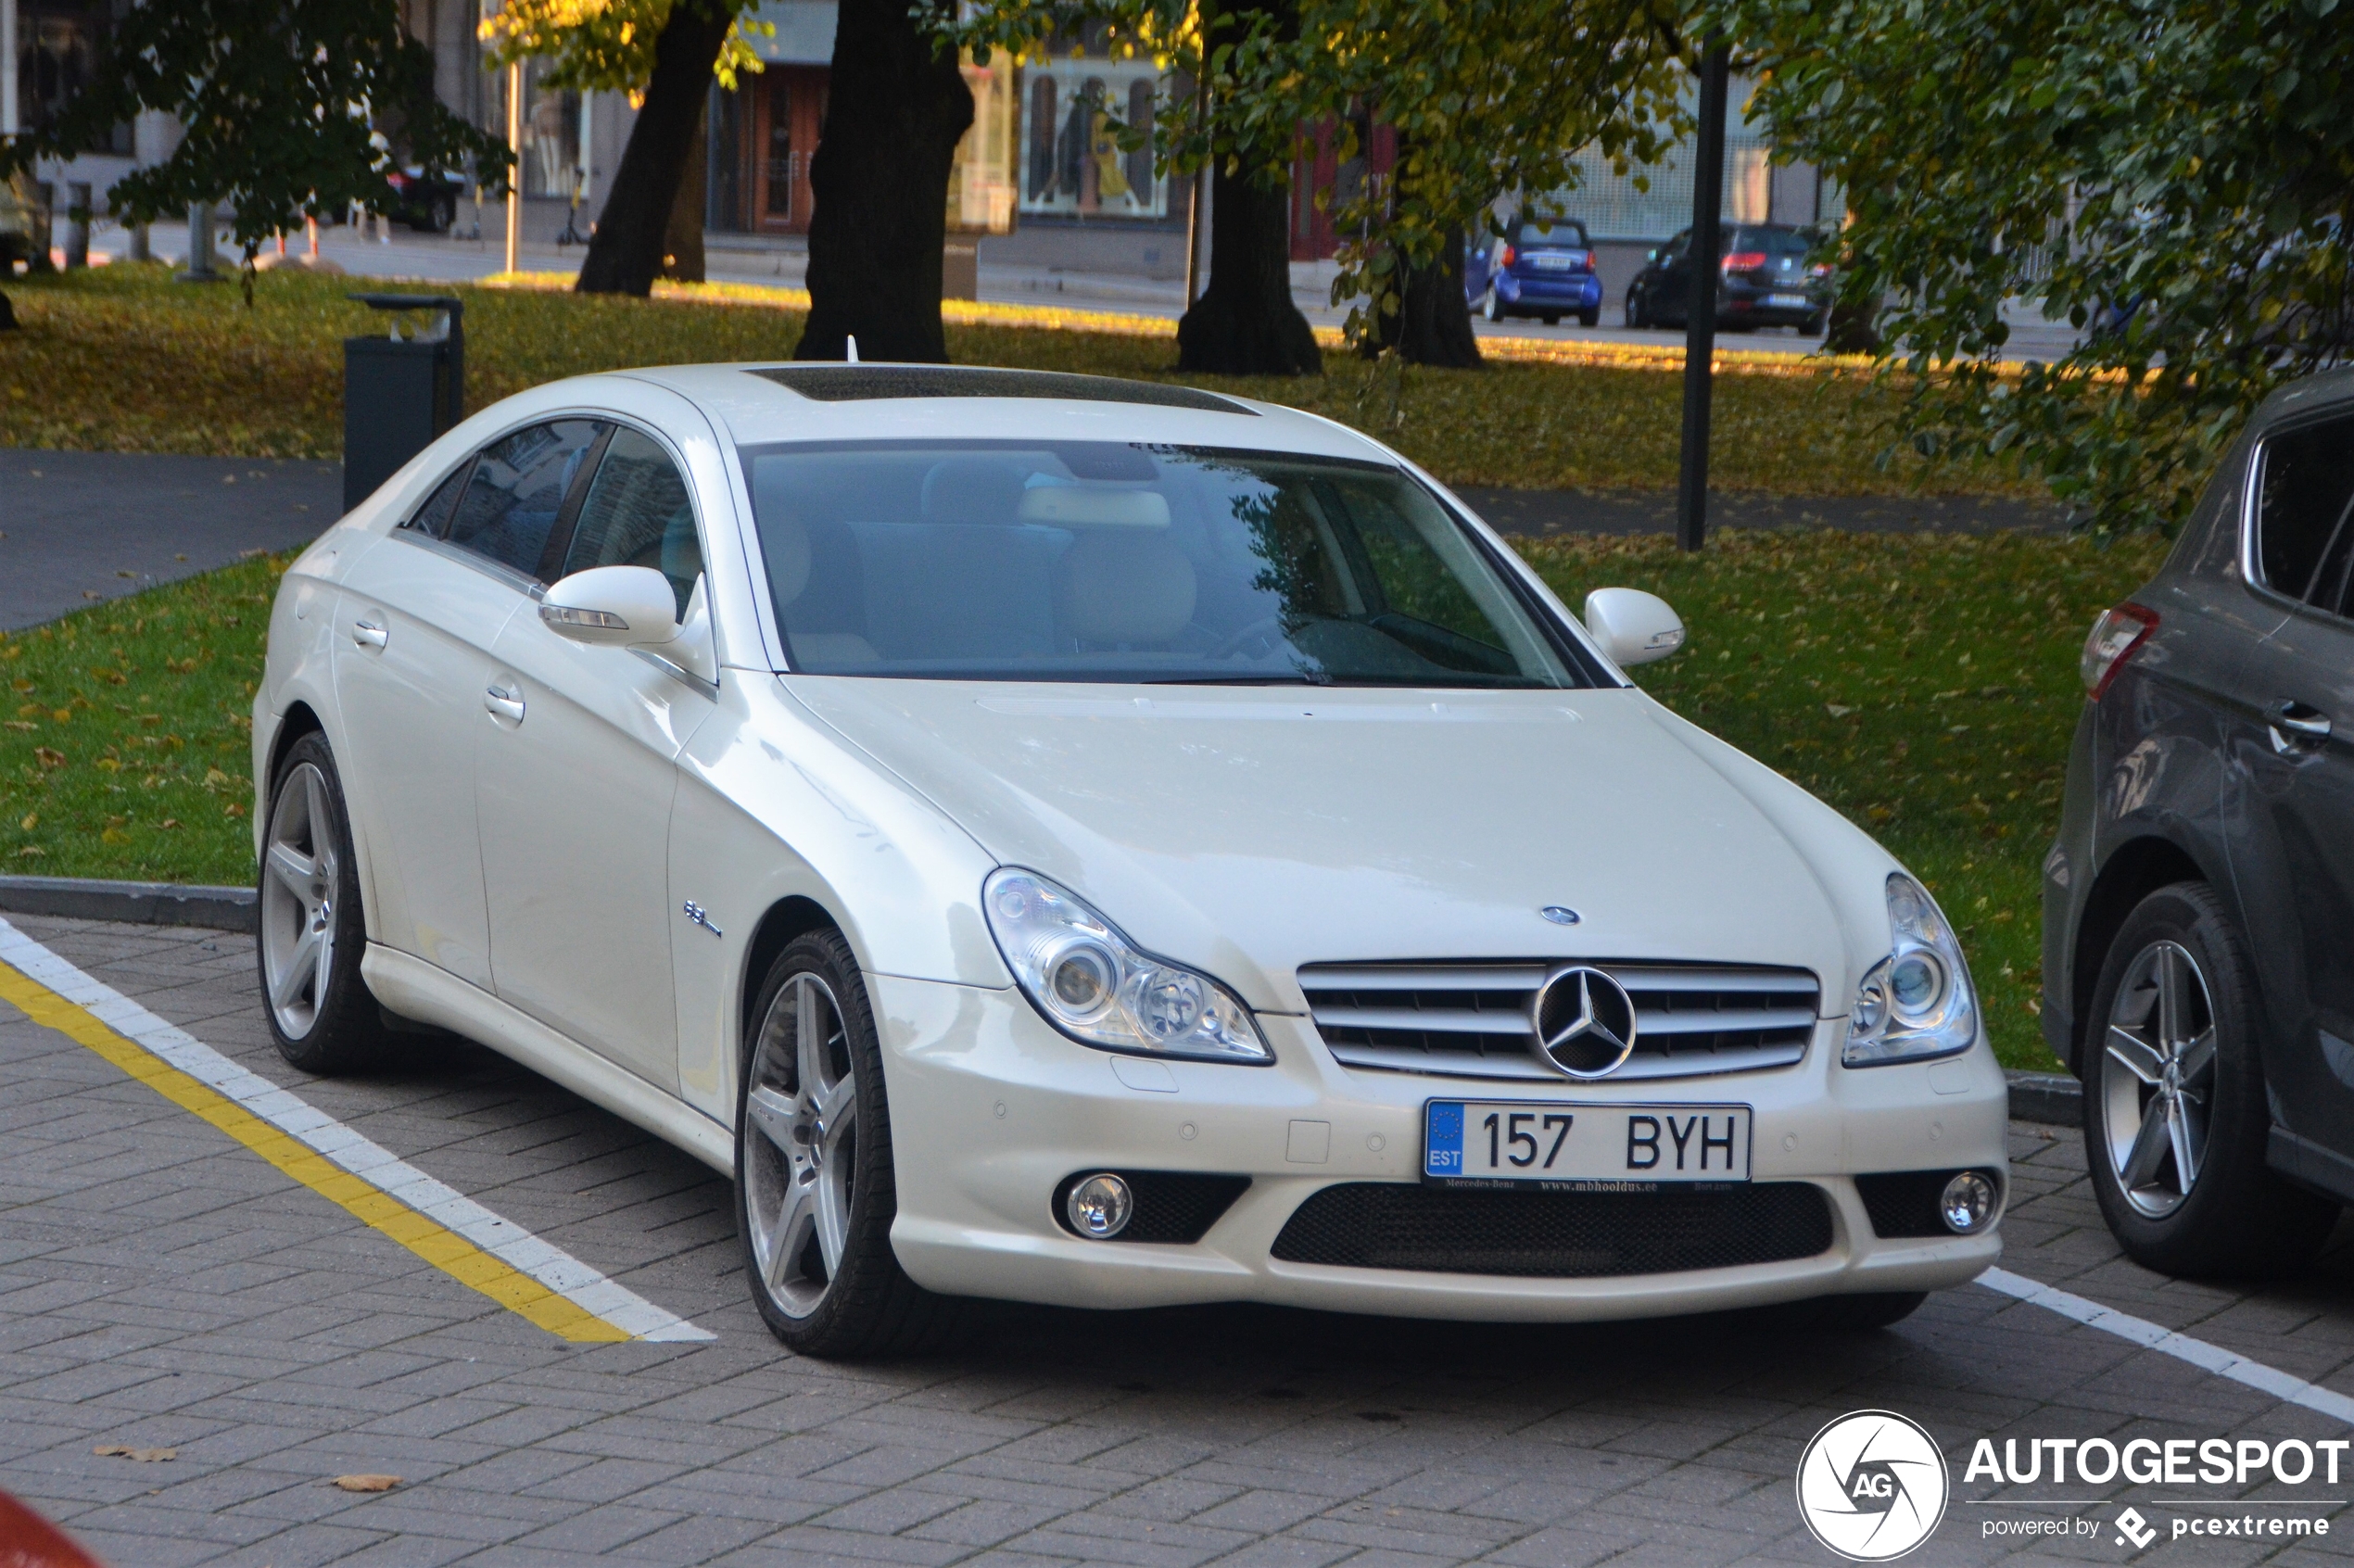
x=1637 y=316
x=313 y=933
x=815 y=1188
x=2175 y=1116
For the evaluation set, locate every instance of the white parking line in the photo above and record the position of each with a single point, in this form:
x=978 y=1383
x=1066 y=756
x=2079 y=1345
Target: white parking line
x=439 y=1223
x=2165 y=1341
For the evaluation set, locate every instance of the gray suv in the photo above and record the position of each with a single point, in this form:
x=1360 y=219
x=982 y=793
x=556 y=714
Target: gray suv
x=2198 y=903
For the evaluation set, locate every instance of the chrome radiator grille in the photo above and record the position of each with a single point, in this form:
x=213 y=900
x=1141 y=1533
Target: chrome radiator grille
x=1473 y=1019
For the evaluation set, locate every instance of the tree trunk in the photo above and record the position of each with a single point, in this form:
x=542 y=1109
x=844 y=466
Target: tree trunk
x=895 y=109
x=627 y=253
x=682 y=244
x=1245 y=322
x=7 y=315
x=1432 y=323
x=1851 y=330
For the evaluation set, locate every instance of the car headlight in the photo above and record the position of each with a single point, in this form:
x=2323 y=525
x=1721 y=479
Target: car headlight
x=1917 y=1003
x=1096 y=986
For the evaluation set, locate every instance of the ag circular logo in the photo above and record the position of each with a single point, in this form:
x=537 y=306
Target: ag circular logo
x=1871 y=1485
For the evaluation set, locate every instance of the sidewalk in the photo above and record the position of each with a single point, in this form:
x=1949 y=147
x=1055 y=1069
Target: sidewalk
x=81 y=527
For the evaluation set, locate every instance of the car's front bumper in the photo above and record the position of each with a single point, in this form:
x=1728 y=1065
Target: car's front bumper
x=991 y=1109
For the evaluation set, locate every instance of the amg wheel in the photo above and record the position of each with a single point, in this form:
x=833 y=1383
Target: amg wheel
x=2176 y=1115
x=313 y=934
x=814 y=1194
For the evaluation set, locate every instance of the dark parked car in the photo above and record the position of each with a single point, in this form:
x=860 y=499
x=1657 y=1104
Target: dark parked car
x=1767 y=278
x=2198 y=905
x=1539 y=268
x=423 y=201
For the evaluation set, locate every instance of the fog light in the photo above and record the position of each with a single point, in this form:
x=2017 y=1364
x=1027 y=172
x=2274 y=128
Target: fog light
x=1099 y=1206
x=1967 y=1203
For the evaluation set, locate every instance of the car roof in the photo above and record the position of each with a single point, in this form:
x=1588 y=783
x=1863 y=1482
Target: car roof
x=763 y=402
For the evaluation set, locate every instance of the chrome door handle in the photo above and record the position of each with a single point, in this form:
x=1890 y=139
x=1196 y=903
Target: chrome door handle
x=2301 y=719
x=370 y=634
x=504 y=701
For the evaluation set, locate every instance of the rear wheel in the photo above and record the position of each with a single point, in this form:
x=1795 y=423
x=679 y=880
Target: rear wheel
x=815 y=1189
x=312 y=935
x=1813 y=326
x=1551 y=318
x=1591 y=318
x=1637 y=314
x=2176 y=1115
x=1492 y=307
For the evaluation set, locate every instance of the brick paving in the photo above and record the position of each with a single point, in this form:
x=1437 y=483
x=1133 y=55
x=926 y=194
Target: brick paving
x=162 y=1287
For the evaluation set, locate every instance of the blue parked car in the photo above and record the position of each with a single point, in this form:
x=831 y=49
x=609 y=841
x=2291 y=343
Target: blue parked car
x=1541 y=267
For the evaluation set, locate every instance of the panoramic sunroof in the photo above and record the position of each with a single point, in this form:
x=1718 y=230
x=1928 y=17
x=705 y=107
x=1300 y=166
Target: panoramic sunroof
x=852 y=384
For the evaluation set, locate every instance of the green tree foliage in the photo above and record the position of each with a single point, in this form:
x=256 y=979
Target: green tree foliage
x=290 y=108
x=1488 y=98
x=2173 y=176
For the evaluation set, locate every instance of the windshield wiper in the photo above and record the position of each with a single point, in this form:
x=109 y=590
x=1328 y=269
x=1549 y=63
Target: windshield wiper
x=1294 y=679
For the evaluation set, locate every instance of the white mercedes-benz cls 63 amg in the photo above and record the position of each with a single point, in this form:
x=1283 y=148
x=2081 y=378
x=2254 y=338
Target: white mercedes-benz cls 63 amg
x=1068 y=840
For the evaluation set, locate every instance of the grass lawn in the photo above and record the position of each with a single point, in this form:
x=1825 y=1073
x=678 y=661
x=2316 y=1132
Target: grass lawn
x=121 y=359
x=1924 y=685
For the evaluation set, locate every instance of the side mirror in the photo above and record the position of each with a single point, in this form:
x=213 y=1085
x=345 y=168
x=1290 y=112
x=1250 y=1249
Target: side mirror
x=1633 y=628
x=613 y=607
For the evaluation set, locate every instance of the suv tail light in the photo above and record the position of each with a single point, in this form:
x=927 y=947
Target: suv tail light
x=1745 y=261
x=2113 y=640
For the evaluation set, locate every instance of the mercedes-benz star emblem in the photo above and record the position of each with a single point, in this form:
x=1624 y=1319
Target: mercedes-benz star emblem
x=1560 y=914
x=1585 y=1023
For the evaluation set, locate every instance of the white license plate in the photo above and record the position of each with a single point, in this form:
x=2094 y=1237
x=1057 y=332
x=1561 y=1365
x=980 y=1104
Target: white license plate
x=1787 y=301
x=1551 y=261
x=1486 y=1142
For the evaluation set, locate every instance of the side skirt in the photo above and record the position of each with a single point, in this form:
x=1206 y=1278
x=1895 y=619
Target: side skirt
x=417 y=990
x=2308 y=1164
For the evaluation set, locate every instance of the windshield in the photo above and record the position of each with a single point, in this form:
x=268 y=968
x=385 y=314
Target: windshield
x=1109 y=561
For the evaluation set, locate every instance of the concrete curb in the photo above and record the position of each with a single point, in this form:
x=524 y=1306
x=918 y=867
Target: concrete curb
x=146 y=903
x=2050 y=1097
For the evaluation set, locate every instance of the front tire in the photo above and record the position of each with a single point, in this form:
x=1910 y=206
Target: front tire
x=2175 y=1116
x=1638 y=317
x=313 y=931
x=815 y=1189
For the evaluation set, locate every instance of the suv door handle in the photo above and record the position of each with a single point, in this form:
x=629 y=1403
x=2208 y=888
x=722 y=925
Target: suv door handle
x=504 y=701
x=2300 y=719
x=370 y=634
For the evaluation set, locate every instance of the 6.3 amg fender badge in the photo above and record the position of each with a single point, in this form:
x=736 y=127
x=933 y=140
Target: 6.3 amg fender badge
x=1585 y=1023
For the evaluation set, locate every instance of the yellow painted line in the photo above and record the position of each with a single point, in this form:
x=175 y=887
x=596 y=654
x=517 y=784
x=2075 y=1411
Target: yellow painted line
x=532 y=1279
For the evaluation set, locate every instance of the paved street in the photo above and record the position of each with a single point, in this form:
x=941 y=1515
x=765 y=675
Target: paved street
x=76 y=528
x=161 y=1288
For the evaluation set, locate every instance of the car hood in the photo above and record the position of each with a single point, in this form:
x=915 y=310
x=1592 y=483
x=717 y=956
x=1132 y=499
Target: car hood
x=1250 y=830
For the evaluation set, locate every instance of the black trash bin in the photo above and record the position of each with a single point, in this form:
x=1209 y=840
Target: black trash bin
x=400 y=391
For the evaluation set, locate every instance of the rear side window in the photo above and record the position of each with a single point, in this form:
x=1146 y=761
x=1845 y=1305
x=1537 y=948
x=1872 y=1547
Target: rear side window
x=517 y=491
x=637 y=514
x=2305 y=539
x=433 y=518
x=1773 y=242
